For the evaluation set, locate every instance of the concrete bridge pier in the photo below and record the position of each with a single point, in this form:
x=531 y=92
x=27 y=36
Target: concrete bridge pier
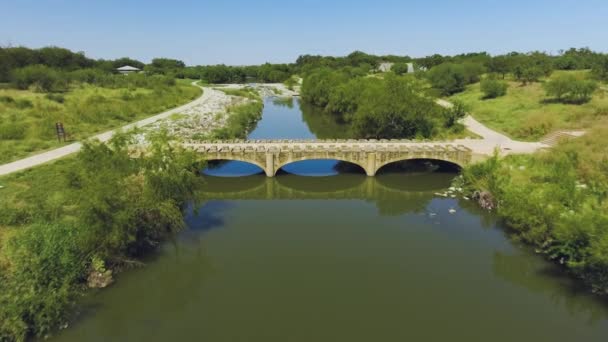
x=269 y=169
x=370 y=168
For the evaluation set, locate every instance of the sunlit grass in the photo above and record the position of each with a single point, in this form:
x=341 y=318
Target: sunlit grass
x=27 y=119
x=526 y=113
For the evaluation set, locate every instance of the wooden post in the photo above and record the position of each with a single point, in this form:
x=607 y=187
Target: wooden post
x=60 y=131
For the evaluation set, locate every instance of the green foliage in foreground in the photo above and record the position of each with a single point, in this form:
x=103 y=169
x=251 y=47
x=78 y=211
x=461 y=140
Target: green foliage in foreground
x=557 y=201
x=103 y=205
x=381 y=108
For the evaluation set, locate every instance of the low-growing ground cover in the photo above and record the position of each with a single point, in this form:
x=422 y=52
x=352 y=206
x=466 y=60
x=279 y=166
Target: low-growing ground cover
x=27 y=118
x=527 y=113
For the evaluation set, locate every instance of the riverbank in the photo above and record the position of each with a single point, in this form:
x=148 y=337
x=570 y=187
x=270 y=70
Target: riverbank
x=73 y=224
x=556 y=201
x=378 y=250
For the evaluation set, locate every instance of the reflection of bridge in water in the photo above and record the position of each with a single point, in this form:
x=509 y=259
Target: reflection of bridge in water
x=370 y=155
x=392 y=193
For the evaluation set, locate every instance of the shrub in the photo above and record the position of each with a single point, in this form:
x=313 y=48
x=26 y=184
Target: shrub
x=538 y=125
x=12 y=131
x=56 y=97
x=7 y=99
x=556 y=202
x=395 y=108
x=570 y=89
x=400 y=68
x=454 y=113
x=44 y=78
x=46 y=265
x=451 y=78
x=493 y=88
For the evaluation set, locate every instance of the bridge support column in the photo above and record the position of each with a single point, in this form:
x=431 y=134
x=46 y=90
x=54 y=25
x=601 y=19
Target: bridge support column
x=269 y=165
x=370 y=168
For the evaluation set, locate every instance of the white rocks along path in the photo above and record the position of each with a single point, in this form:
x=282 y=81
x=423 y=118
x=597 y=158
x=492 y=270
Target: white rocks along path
x=206 y=102
x=212 y=102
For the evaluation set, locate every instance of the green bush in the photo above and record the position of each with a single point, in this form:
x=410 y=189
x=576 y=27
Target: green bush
x=395 y=108
x=12 y=131
x=44 y=78
x=557 y=202
x=451 y=78
x=7 y=99
x=570 y=89
x=493 y=88
x=400 y=68
x=47 y=264
x=55 y=97
x=242 y=119
x=102 y=206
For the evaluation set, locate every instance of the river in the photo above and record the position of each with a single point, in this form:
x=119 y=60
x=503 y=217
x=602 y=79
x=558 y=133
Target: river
x=338 y=257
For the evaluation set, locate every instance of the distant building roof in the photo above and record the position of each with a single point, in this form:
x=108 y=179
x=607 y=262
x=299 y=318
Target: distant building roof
x=127 y=68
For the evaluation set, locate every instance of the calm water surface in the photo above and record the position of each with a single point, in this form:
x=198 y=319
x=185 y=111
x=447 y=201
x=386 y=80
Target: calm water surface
x=341 y=257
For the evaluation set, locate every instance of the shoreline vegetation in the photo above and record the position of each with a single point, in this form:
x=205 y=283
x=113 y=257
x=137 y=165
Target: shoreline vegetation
x=69 y=225
x=555 y=201
x=103 y=210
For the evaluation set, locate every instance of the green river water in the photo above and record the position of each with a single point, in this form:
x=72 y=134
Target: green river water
x=338 y=257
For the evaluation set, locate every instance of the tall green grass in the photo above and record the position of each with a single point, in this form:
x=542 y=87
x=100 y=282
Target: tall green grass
x=526 y=113
x=27 y=119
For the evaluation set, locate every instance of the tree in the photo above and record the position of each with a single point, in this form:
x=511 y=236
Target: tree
x=395 y=108
x=499 y=65
x=600 y=68
x=400 y=68
x=527 y=73
x=454 y=113
x=318 y=86
x=570 y=89
x=531 y=67
x=117 y=63
x=448 y=78
x=493 y=88
x=164 y=66
x=43 y=77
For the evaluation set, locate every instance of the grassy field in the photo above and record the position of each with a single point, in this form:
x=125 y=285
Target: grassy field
x=27 y=119
x=526 y=113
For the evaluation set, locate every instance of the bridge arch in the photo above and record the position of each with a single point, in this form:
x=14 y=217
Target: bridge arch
x=281 y=165
x=242 y=160
x=397 y=160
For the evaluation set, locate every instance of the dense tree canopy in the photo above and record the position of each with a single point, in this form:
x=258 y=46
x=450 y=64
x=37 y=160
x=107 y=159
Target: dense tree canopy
x=389 y=107
x=450 y=78
x=570 y=89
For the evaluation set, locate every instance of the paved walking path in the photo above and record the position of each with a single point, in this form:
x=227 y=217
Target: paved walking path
x=61 y=152
x=490 y=140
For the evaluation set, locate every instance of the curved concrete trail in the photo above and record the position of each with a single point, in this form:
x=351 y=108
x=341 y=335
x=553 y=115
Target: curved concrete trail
x=490 y=140
x=61 y=152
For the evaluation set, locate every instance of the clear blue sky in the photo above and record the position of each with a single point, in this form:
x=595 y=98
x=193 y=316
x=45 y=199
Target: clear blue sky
x=252 y=32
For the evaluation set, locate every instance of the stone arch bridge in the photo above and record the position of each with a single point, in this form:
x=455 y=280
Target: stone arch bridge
x=370 y=155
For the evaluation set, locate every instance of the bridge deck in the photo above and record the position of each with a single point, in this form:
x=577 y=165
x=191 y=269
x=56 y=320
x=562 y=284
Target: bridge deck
x=371 y=155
